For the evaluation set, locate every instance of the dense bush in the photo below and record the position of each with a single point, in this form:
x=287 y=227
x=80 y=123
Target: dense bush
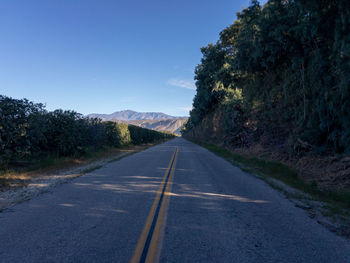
x=29 y=132
x=140 y=135
x=281 y=67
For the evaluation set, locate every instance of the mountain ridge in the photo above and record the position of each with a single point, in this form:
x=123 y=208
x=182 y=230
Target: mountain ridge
x=130 y=115
x=151 y=120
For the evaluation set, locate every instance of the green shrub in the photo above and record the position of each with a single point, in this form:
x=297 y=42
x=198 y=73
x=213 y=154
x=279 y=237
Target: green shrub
x=290 y=60
x=29 y=132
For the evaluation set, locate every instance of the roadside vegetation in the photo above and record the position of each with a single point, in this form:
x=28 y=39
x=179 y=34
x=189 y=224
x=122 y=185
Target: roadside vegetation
x=284 y=69
x=278 y=80
x=273 y=99
x=32 y=137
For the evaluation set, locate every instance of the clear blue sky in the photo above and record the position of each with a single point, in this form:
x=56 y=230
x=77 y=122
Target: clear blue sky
x=103 y=56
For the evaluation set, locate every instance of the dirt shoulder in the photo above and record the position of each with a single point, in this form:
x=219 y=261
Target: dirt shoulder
x=328 y=172
x=17 y=187
x=330 y=207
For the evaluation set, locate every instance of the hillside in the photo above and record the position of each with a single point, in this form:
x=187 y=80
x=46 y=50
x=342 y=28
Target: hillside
x=168 y=125
x=128 y=115
x=150 y=120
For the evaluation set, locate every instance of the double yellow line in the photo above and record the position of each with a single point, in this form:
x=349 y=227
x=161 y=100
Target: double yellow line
x=147 y=246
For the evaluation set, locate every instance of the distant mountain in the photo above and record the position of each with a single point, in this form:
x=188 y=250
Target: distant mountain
x=169 y=125
x=128 y=115
x=151 y=120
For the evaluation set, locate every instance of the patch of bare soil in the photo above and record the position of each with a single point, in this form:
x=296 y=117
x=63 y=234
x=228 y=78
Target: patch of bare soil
x=328 y=172
x=18 y=187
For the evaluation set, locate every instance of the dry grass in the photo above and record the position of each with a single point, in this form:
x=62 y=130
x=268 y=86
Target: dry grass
x=282 y=173
x=330 y=208
x=21 y=176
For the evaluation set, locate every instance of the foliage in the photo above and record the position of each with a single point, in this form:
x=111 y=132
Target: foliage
x=290 y=61
x=140 y=135
x=117 y=134
x=123 y=132
x=29 y=132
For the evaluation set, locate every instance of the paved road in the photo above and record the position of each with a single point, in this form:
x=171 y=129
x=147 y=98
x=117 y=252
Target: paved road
x=215 y=213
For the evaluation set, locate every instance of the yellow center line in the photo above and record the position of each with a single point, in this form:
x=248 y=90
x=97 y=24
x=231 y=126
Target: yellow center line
x=147 y=246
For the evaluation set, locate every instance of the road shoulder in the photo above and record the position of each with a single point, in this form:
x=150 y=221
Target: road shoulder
x=30 y=184
x=329 y=209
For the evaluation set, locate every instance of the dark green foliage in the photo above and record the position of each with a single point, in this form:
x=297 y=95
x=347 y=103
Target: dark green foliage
x=140 y=135
x=16 y=117
x=29 y=132
x=206 y=98
x=290 y=62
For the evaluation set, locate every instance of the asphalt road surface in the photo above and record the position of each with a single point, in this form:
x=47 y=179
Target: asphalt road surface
x=175 y=202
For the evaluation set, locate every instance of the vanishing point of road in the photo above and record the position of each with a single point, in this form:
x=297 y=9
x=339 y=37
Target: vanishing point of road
x=174 y=202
